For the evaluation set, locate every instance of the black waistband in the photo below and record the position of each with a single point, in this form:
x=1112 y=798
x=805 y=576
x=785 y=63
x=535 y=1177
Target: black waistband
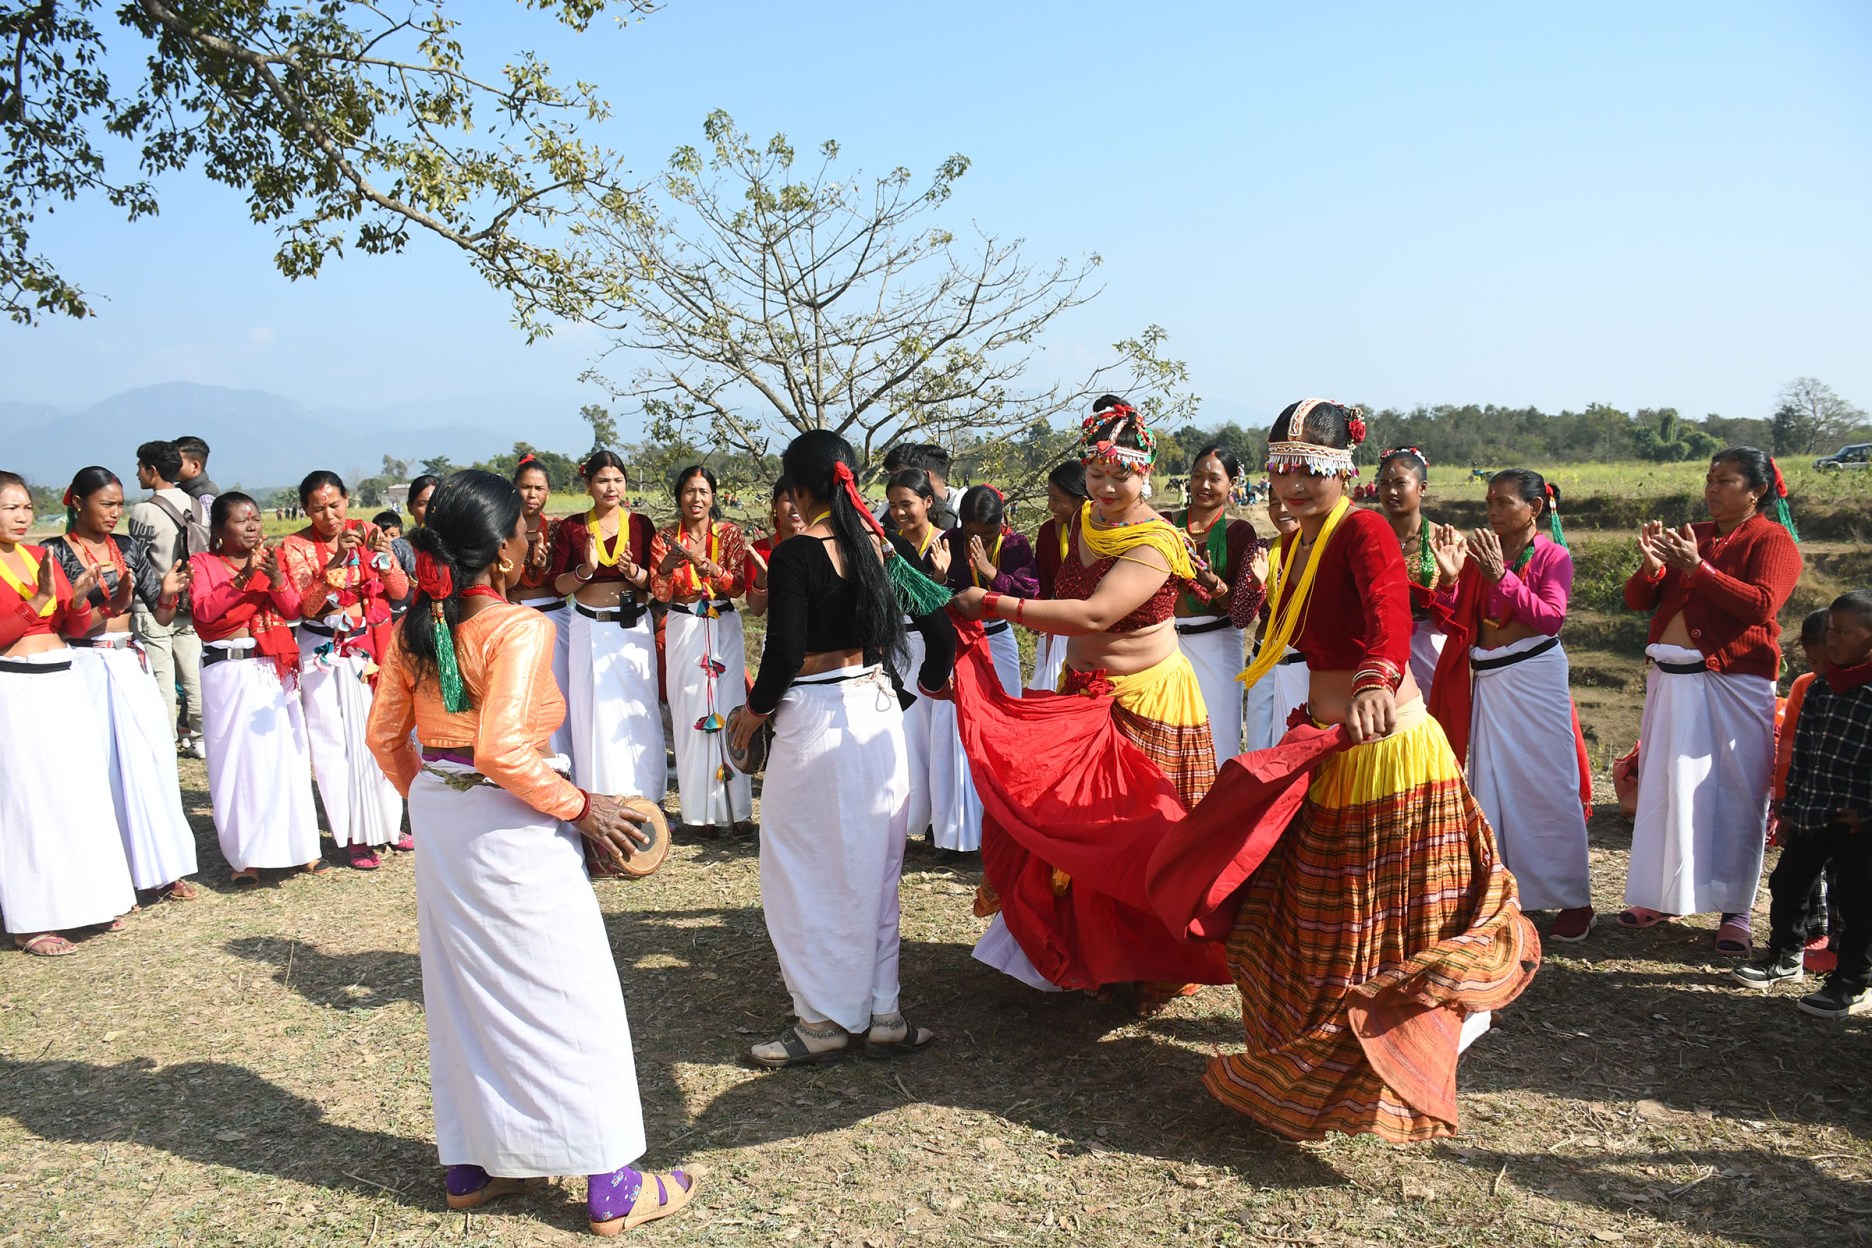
x=839 y=680
x=722 y=606
x=17 y=668
x=625 y=615
x=545 y=604
x=993 y=627
x=217 y=654
x=319 y=629
x=1204 y=626
x=1506 y=660
x=1287 y=660
x=1683 y=669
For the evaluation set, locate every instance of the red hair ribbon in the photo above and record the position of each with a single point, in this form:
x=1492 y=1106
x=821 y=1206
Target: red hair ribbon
x=526 y=459
x=433 y=577
x=66 y=498
x=1780 y=482
x=842 y=474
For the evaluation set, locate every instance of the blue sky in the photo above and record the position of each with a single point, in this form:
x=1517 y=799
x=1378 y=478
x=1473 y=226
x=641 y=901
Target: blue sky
x=1640 y=204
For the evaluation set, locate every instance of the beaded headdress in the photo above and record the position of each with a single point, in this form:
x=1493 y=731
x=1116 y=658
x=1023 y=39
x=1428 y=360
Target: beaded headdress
x=1121 y=416
x=1326 y=461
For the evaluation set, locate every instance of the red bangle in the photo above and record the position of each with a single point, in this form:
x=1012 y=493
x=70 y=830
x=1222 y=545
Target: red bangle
x=991 y=605
x=1658 y=575
x=1020 y=610
x=584 y=807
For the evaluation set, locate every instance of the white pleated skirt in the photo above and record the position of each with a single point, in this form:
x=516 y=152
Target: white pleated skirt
x=1704 y=771
x=62 y=862
x=1426 y=650
x=1273 y=699
x=259 y=761
x=144 y=786
x=692 y=645
x=916 y=732
x=361 y=805
x=1524 y=770
x=530 y=1059
x=1217 y=657
x=832 y=842
x=611 y=708
x=561 y=616
x=955 y=806
x=1049 y=658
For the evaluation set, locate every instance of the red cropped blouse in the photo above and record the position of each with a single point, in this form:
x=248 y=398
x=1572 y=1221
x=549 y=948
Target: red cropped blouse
x=1076 y=580
x=1360 y=608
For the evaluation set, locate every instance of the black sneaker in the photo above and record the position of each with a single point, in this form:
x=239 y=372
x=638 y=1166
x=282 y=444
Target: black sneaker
x=1770 y=969
x=1836 y=1000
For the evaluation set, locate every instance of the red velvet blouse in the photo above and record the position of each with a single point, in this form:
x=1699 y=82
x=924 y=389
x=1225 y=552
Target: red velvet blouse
x=1360 y=608
x=570 y=537
x=18 y=619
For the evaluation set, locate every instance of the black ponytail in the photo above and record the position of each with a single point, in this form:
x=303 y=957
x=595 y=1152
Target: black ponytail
x=470 y=515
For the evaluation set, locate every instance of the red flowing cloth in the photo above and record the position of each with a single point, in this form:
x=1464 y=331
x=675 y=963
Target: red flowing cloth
x=1153 y=885
x=1452 y=690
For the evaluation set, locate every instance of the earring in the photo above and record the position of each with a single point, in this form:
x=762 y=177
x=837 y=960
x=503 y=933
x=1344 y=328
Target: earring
x=505 y=567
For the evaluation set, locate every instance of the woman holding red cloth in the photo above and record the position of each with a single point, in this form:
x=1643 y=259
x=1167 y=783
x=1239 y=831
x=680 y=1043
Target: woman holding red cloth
x=62 y=865
x=697 y=565
x=1714 y=590
x=259 y=759
x=345 y=576
x=1116 y=596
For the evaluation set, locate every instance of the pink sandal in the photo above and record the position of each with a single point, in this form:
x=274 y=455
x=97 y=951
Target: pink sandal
x=1734 y=939
x=1637 y=918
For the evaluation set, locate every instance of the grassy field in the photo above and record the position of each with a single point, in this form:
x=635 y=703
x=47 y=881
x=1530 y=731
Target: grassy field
x=250 y=1069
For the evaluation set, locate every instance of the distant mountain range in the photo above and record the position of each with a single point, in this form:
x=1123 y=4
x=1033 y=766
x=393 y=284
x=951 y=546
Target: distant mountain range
x=261 y=440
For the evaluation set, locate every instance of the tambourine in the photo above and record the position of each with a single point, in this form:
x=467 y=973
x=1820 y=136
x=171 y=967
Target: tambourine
x=643 y=860
x=754 y=757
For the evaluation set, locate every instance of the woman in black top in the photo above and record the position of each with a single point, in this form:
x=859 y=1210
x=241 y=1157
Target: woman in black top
x=834 y=806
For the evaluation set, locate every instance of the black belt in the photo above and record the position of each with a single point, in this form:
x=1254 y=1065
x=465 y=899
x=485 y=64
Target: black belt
x=839 y=680
x=622 y=615
x=722 y=606
x=1506 y=660
x=1286 y=659
x=997 y=626
x=319 y=629
x=545 y=604
x=17 y=668
x=217 y=654
x=1683 y=669
x=1207 y=626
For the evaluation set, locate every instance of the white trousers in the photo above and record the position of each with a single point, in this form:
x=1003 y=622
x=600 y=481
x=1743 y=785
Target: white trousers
x=1217 y=657
x=530 y=1059
x=1705 y=765
x=361 y=805
x=62 y=862
x=832 y=844
x=259 y=762
x=611 y=709
x=144 y=786
x=1524 y=770
x=692 y=645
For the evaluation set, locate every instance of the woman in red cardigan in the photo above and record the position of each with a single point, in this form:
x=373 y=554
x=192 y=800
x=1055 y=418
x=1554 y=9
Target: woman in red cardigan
x=1714 y=590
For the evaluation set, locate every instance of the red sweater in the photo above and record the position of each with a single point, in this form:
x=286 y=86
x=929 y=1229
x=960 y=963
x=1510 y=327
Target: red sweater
x=1731 y=600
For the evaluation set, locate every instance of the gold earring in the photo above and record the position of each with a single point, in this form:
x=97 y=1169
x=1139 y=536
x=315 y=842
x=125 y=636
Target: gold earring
x=505 y=567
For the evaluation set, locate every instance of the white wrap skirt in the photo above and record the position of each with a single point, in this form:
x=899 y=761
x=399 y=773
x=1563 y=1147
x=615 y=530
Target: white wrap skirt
x=1524 y=769
x=1426 y=649
x=1274 y=698
x=361 y=805
x=1705 y=767
x=530 y=1059
x=62 y=862
x=144 y=786
x=832 y=844
x=1214 y=648
x=259 y=761
x=695 y=646
x=611 y=707
x=955 y=806
x=1049 y=658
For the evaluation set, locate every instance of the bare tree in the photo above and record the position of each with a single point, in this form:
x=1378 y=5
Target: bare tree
x=768 y=302
x=1810 y=416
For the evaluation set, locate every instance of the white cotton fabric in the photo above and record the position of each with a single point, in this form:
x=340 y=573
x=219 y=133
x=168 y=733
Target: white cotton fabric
x=1272 y=699
x=259 y=762
x=561 y=617
x=611 y=709
x=702 y=756
x=1704 y=770
x=1217 y=658
x=62 y=863
x=955 y=806
x=832 y=843
x=1524 y=770
x=530 y=1059
x=916 y=731
x=144 y=786
x=1426 y=650
x=1049 y=658
x=998 y=948
x=361 y=805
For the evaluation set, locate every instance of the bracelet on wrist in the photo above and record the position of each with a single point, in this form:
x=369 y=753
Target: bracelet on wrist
x=1020 y=610
x=991 y=606
x=584 y=807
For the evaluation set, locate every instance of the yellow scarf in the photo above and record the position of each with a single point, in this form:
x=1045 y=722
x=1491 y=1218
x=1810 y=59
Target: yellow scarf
x=1287 y=611
x=1160 y=535
x=608 y=558
x=28 y=588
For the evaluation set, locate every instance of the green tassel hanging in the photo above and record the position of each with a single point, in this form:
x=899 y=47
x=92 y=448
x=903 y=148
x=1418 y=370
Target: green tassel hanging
x=1786 y=517
x=918 y=594
x=448 y=671
x=1553 y=527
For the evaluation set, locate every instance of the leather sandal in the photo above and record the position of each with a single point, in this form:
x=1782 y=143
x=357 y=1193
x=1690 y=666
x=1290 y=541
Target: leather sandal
x=47 y=945
x=915 y=1040
x=1637 y=918
x=797 y=1052
x=668 y=1196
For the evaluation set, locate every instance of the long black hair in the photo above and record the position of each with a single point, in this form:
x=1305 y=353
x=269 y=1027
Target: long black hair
x=982 y=504
x=1070 y=478
x=88 y=482
x=470 y=515
x=810 y=462
x=316 y=481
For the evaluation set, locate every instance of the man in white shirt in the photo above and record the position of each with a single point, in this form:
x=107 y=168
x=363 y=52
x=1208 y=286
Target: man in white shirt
x=173 y=649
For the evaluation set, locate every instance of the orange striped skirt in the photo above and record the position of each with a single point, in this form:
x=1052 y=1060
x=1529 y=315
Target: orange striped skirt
x=1161 y=711
x=1382 y=918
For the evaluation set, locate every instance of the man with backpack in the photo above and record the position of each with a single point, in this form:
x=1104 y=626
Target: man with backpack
x=173 y=528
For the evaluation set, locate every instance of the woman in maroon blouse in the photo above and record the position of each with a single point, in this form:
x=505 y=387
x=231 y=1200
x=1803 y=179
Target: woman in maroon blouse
x=1066 y=493
x=601 y=557
x=1714 y=590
